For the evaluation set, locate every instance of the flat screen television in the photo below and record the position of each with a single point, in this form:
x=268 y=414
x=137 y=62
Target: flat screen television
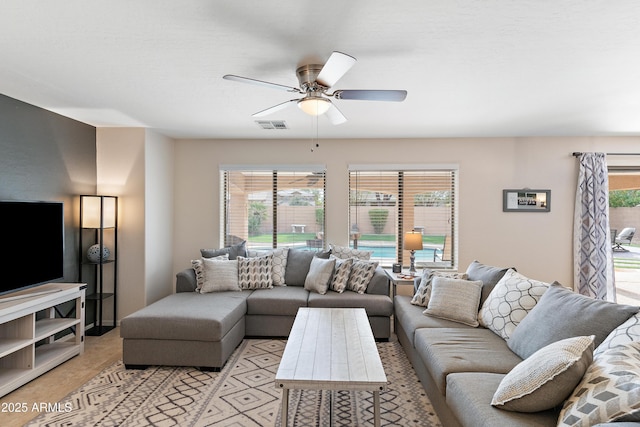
x=32 y=244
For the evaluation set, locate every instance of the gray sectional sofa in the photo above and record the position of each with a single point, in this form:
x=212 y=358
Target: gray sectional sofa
x=189 y=328
x=462 y=365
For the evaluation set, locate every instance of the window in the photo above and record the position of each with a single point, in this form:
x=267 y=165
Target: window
x=386 y=203
x=273 y=208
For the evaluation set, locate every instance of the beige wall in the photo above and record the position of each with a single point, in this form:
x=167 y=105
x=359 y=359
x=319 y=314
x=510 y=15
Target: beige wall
x=537 y=244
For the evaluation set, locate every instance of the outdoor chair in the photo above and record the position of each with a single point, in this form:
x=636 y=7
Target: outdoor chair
x=624 y=238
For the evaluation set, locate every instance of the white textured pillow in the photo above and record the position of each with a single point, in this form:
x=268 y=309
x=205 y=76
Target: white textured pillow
x=345 y=252
x=361 y=274
x=341 y=274
x=422 y=295
x=609 y=390
x=455 y=299
x=279 y=265
x=216 y=275
x=547 y=377
x=628 y=331
x=319 y=276
x=509 y=302
x=255 y=273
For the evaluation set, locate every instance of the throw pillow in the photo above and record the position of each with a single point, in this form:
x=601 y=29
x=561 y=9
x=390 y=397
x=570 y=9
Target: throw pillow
x=455 y=300
x=361 y=274
x=341 y=274
x=488 y=274
x=233 y=251
x=279 y=266
x=345 y=252
x=198 y=268
x=609 y=390
x=627 y=332
x=423 y=293
x=298 y=262
x=544 y=380
x=319 y=276
x=511 y=299
x=255 y=273
x=216 y=275
x=562 y=313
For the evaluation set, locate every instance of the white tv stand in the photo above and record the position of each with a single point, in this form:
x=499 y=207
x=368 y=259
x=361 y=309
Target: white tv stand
x=28 y=347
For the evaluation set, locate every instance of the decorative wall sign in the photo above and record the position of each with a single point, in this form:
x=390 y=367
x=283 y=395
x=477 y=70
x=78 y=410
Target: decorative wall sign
x=526 y=200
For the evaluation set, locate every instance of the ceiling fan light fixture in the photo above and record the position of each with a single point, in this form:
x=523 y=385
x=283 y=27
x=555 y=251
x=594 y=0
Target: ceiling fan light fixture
x=314 y=105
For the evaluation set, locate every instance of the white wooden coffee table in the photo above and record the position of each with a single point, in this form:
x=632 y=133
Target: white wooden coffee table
x=331 y=349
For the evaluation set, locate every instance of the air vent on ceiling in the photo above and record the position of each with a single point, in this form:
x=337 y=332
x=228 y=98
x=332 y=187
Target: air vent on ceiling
x=272 y=124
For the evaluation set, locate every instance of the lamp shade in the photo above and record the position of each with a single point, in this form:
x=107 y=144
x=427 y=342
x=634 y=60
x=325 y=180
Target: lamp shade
x=314 y=105
x=413 y=241
x=91 y=206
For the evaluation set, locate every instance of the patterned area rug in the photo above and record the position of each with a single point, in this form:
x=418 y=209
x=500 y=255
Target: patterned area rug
x=242 y=394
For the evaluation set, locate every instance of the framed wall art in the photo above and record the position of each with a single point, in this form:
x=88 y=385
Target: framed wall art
x=526 y=200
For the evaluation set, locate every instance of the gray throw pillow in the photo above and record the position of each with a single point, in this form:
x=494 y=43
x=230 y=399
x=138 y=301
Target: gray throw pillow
x=319 y=276
x=298 y=263
x=487 y=274
x=233 y=251
x=561 y=313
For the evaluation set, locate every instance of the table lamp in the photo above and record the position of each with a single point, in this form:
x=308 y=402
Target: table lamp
x=413 y=243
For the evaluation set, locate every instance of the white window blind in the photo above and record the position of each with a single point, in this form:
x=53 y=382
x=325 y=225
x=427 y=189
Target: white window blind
x=273 y=208
x=386 y=203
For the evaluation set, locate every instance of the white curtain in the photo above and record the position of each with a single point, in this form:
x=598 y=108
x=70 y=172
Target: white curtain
x=593 y=256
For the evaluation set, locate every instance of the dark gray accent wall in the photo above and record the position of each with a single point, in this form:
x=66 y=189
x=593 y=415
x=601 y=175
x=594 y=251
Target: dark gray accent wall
x=46 y=156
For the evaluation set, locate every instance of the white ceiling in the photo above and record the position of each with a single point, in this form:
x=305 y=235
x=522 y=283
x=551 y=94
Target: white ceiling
x=471 y=67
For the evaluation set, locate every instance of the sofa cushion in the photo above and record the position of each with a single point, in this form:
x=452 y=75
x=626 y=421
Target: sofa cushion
x=447 y=350
x=455 y=299
x=214 y=275
x=511 y=299
x=341 y=274
x=188 y=316
x=487 y=274
x=469 y=397
x=320 y=274
x=562 y=313
x=233 y=251
x=423 y=292
x=345 y=252
x=374 y=305
x=544 y=380
x=298 y=263
x=361 y=274
x=609 y=390
x=255 y=273
x=627 y=332
x=277 y=301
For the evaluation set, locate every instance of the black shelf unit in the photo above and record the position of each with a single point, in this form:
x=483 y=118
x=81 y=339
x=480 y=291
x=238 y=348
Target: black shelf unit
x=99 y=226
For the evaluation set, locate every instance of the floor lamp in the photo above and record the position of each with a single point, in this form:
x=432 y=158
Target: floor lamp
x=413 y=243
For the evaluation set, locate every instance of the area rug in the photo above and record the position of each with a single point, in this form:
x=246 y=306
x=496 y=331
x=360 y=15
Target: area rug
x=242 y=394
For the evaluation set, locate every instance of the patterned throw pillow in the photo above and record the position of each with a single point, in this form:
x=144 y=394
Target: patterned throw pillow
x=545 y=379
x=198 y=268
x=255 y=273
x=279 y=266
x=361 y=274
x=509 y=302
x=609 y=390
x=628 y=332
x=345 y=252
x=341 y=274
x=422 y=295
x=454 y=299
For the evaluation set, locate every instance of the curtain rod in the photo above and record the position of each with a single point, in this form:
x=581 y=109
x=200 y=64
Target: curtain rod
x=578 y=153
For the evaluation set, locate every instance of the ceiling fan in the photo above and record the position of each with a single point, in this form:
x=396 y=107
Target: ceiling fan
x=315 y=81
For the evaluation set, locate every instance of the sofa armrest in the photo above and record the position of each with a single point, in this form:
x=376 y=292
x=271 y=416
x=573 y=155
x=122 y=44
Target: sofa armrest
x=379 y=284
x=186 y=281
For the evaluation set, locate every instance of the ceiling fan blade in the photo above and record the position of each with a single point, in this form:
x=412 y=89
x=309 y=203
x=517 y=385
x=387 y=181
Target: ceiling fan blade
x=273 y=109
x=260 y=83
x=335 y=116
x=371 y=95
x=335 y=67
